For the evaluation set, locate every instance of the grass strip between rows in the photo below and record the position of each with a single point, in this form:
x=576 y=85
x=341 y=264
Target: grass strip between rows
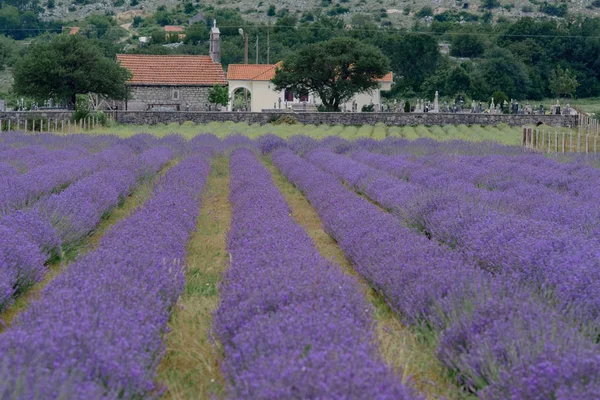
x=402 y=348
x=191 y=366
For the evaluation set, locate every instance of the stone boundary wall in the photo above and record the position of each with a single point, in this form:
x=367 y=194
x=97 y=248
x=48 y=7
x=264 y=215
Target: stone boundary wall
x=398 y=119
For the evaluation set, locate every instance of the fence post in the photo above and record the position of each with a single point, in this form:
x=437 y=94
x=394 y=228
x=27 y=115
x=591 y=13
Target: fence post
x=571 y=141
x=69 y=126
x=25 y=126
x=587 y=142
x=524 y=136
x=9 y=121
x=563 y=142
x=62 y=126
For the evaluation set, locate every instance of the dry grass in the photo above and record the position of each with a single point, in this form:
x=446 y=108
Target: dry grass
x=401 y=347
x=191 y=366
x=139 y=195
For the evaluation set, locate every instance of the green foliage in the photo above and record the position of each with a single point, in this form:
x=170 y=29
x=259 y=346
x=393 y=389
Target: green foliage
x=336 y=70
x=158 y=36
x=218 y=95
x=407 y=106
x=413 y=57
x=196 y=33
x=82 y=107
x=500 y=70
x=368 y=108
x=559 y=10
x=467 y=45
x=490 y=4
x=499 y=98
x=563 y=82
x=8 y=52
x=19 y=23
x=68 y=65
x=424 y=12
x=271 y=11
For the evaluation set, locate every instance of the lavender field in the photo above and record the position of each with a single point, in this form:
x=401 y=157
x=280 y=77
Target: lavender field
x=296 y=268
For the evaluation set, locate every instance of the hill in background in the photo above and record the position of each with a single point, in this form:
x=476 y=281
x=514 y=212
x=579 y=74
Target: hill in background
x=386 y=12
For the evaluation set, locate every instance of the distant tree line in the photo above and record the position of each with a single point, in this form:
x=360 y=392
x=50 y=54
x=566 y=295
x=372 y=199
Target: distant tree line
x=525 y=59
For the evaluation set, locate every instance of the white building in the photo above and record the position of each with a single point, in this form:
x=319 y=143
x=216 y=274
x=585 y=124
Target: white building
x=261 y=94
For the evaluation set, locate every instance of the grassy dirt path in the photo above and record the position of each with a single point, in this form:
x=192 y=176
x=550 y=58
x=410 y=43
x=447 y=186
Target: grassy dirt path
x=139 y=195
x=191 y=366
x=401 y=347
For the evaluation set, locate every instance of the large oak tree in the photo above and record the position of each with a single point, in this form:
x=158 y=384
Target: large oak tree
x=68 y=65
x=336 y=70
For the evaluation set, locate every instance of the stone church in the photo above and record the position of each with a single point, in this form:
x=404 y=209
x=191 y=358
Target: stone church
x=173 y=83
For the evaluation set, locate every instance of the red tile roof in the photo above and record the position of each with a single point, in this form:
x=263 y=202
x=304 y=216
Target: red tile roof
x=251 y=72
x=265 y=72
x=172 y=70
x=174 y=28
x=389 y=77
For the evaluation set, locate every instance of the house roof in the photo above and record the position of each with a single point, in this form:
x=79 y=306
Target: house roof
x=174 y=28
x=172 y=70
x=265 y=72
x=251 y=72
x=389 y=77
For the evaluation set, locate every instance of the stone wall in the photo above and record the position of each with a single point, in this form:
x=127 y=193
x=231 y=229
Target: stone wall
x=176 y=98
x=165 y=117
x=151 y=118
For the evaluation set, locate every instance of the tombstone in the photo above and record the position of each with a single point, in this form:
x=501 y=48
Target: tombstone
x=473 y=107
x=528 y=109
x=492 y=107
x=2 y=105
x=436 y=103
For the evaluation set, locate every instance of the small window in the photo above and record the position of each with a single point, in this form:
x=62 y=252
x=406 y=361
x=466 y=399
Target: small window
x=175 y=94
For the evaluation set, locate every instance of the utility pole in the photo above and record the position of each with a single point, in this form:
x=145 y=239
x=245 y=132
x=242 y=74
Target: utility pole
x=268 y=44
x=245 y=36
x=256 y=49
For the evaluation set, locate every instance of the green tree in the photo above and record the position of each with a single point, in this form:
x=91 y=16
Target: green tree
x=467 y=45
x=501 y=70
x=8 y=52
x=563 y=82
x=219 y=95
x=66 y=66
x=196 y=33
x=413 y=58
x=458 y=81
x=499 y=98
x=335 y=70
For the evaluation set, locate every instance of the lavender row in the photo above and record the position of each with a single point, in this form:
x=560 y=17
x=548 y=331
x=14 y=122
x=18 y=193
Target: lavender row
x=96 y=331
x=501 y=340
x=292 y=324
x=60 y=221
x=18 y=191
x=506 y=184
x=562 y=262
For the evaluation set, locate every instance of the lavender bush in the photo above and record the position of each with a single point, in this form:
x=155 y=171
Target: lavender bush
x=491 y=327
x=292 y=324
x=96 y=331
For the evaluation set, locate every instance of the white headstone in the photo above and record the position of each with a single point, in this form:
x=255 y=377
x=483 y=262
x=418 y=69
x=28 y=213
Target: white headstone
x=436 y=103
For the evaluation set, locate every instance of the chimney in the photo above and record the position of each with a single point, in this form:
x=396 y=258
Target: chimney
x=215 y=43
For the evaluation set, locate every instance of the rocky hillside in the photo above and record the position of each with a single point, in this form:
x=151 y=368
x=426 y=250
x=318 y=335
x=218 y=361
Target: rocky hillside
x=388 y=12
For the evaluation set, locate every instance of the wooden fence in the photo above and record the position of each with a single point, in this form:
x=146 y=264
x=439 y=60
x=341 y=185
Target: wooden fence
x=559 y=140
x=48 y=125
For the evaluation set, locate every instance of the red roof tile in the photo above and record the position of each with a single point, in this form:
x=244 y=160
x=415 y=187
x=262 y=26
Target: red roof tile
x=174 y=28
x=389 y=77
x=172 y=70
x=251 y=72
x=265 y=72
